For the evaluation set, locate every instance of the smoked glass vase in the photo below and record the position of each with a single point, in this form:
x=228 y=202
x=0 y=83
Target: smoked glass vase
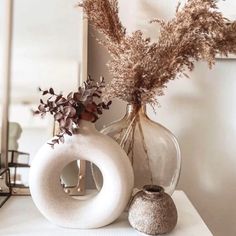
x=152 y=149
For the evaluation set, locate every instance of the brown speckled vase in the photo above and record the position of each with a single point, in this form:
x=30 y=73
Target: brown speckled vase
x=152 y=211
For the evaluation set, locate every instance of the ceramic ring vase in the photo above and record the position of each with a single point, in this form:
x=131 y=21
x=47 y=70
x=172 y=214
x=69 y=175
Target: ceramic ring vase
x=97 y=211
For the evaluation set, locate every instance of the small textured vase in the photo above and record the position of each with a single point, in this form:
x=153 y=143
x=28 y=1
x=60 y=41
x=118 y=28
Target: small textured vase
x=97 y=211
x=153 y=150
x=152 y=211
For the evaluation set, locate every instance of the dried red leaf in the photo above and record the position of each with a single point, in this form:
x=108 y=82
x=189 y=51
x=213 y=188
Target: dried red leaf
x=51 y=91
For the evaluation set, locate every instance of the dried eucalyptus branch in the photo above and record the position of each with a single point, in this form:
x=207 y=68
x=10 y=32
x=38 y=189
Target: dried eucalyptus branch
x=69 y=110
x=140 y=68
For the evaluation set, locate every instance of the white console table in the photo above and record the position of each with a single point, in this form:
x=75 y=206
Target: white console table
x=20 y=217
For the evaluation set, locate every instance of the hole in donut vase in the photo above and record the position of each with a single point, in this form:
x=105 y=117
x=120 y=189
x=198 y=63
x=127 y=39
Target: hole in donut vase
x=77 y=183
x=97 y=211
x=70 y=174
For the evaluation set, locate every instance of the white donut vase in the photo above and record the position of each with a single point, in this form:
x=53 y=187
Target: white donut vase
x=97 y=211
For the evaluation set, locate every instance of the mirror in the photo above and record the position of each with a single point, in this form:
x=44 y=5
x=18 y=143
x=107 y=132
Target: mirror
x=49 y=49
x=5 y=52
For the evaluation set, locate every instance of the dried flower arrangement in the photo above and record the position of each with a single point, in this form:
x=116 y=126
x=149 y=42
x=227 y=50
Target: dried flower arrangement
x=140 y=68
x=69 y=110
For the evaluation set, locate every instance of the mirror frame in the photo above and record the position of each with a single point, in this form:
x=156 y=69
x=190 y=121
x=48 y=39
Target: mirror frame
x=6 y=75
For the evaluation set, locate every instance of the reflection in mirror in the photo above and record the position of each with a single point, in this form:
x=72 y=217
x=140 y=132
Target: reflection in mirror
x=73 y=178
x=47 y=52
x=78 y=186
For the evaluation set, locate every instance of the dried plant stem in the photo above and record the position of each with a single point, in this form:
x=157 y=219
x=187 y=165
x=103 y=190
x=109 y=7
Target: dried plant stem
x=127 y=133
x=119 y=135
x=145 y=148
x=128 y=140
x=130 y=149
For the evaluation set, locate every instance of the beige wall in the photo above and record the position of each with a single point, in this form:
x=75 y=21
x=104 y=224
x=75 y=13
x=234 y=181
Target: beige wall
x=201 y=112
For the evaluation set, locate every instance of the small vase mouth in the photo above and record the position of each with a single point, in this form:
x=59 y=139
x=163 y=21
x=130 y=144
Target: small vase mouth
x=153 y=189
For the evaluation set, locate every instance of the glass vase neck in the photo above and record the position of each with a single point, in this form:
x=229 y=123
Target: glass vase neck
x=133 y=109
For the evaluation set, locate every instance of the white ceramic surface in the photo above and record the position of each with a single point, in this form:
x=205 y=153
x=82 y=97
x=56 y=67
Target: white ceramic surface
x=97 y=211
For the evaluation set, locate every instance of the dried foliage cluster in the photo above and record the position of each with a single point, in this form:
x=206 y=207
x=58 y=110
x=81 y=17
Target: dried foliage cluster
x=69 y=110
x=140 y=68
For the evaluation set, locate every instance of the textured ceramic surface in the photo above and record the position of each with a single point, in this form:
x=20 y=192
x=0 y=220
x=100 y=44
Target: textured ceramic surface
x=97 y=211
x=152 y=211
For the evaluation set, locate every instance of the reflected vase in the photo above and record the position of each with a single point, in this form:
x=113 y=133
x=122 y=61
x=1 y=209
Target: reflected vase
x=152 y=149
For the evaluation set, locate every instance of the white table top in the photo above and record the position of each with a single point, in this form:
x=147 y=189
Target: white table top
x=20 y=217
